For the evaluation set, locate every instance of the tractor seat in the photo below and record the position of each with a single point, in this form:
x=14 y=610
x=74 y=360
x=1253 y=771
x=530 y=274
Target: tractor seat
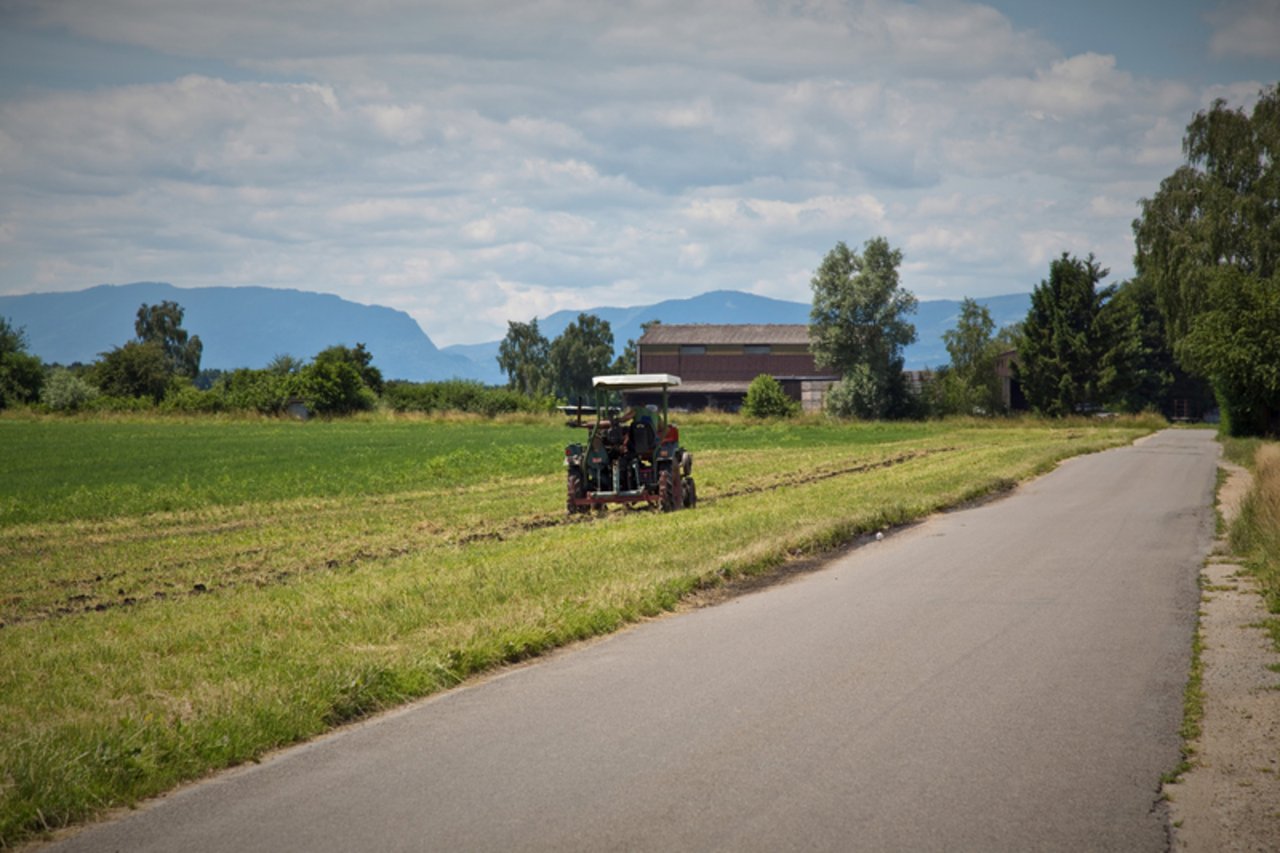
x=643 y=439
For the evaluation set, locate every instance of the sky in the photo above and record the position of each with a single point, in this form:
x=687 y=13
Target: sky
x=474 y=162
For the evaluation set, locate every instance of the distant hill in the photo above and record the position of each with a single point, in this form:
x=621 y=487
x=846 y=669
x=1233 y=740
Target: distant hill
x=248 y=326
x=731 y=306
x=239 y=326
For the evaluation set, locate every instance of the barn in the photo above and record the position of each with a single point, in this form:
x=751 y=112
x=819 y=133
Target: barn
x=716 y=363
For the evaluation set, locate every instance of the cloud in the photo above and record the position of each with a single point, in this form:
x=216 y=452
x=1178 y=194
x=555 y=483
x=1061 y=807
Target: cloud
x=753 y=37
x=194 y=129
x=1246 y=28
x=478 y=162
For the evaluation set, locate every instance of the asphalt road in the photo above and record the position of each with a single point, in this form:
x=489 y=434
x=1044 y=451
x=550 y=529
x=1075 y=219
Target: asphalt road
x=1007 y=677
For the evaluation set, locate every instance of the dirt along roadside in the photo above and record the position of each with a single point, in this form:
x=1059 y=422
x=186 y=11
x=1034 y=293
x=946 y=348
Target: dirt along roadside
x=1230 y=798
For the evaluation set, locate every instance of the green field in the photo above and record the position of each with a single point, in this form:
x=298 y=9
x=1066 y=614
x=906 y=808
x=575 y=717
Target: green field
x=180 y=596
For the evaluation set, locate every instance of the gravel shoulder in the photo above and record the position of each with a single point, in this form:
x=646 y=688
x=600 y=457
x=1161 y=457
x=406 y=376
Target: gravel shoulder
x=1230 y=799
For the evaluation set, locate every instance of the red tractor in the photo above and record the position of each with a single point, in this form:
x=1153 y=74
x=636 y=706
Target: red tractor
x=632 y=455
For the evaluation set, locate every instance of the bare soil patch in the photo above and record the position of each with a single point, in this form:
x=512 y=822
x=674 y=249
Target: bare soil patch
x=1230 y=798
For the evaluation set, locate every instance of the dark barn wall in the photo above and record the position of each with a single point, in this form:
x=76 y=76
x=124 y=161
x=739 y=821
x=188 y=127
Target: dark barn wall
x=728 y=366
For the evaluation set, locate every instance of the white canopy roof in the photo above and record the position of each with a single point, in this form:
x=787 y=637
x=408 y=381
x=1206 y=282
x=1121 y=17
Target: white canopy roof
x=625 y=381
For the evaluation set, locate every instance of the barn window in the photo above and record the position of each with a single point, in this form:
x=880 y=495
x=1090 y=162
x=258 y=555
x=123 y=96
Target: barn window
x=756 y=349
x=693 y=349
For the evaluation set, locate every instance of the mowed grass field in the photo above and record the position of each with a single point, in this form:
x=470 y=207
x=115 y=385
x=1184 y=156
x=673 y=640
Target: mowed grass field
x=179 y=596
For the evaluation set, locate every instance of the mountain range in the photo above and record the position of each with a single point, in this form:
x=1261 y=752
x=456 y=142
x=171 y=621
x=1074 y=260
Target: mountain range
x=249 y=326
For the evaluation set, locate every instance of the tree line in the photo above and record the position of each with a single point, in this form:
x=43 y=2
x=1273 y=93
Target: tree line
x=1080 y=348
x=159 y=369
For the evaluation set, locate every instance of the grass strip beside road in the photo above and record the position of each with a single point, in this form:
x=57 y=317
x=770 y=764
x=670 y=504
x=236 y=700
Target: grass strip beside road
x=231 y=627
x=1255 y=534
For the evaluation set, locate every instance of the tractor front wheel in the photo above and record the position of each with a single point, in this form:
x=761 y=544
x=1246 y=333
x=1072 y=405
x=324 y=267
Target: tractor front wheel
x=575 y=490
x=690 y=493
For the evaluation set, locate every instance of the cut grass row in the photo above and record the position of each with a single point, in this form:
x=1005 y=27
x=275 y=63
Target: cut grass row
x=314 y=609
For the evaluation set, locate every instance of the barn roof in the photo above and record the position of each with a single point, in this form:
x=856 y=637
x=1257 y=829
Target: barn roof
x=719 y=333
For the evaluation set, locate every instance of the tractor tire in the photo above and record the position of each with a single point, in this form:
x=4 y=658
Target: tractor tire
x=690 y=494
x=666 y=491
x=575 y=490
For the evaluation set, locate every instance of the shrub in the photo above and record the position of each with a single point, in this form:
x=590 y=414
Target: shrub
x=949 y=394
x=767 y=399
x=460 y=395
x=185 y=397
x=113 y=403
x=857 y=395
x=261 y=391
x=336 y=388
x=65 y=392
x=134 y=370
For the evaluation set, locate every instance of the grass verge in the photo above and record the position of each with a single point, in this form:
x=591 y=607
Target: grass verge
x=1192 y=706
x=1255 y=534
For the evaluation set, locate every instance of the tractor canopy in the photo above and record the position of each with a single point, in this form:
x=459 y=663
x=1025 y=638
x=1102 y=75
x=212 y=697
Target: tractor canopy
x=635 y=381
x=609 y=385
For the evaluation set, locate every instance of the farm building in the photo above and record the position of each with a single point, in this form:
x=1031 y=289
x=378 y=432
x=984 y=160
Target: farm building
x=716 y=363
x=1010 y=390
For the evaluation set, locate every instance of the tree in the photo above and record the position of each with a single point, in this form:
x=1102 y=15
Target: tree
x=1009 y=337
x=970 y=382
x=1138 y=371
x=358 y=358
x=583 y=350
x=1063 y=338
x=207 y=378
x=21 y=374
x=1211 y=227
x=1235 y=342
x=766 y=398
x=134 y=370
x=524 y=355
x=283 y=364
x=859 y=328
x=162 y=324
x=629 y=361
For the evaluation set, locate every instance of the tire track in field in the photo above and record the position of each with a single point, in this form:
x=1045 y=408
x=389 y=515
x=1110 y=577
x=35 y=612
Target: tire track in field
x=425 y=533
x=820 y=475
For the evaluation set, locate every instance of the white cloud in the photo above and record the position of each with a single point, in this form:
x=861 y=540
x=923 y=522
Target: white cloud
x=694 y=256
x=822 y=212
x=1113 y=208
x=195 y=128
x=474 y=162
x=1246 y=28
x=404 y=125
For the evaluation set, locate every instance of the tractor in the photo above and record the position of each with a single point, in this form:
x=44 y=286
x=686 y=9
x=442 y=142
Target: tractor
x=632 y=456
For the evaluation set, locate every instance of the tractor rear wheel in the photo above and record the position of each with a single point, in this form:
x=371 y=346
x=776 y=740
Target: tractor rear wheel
x=666 y=491
x=575 y=490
